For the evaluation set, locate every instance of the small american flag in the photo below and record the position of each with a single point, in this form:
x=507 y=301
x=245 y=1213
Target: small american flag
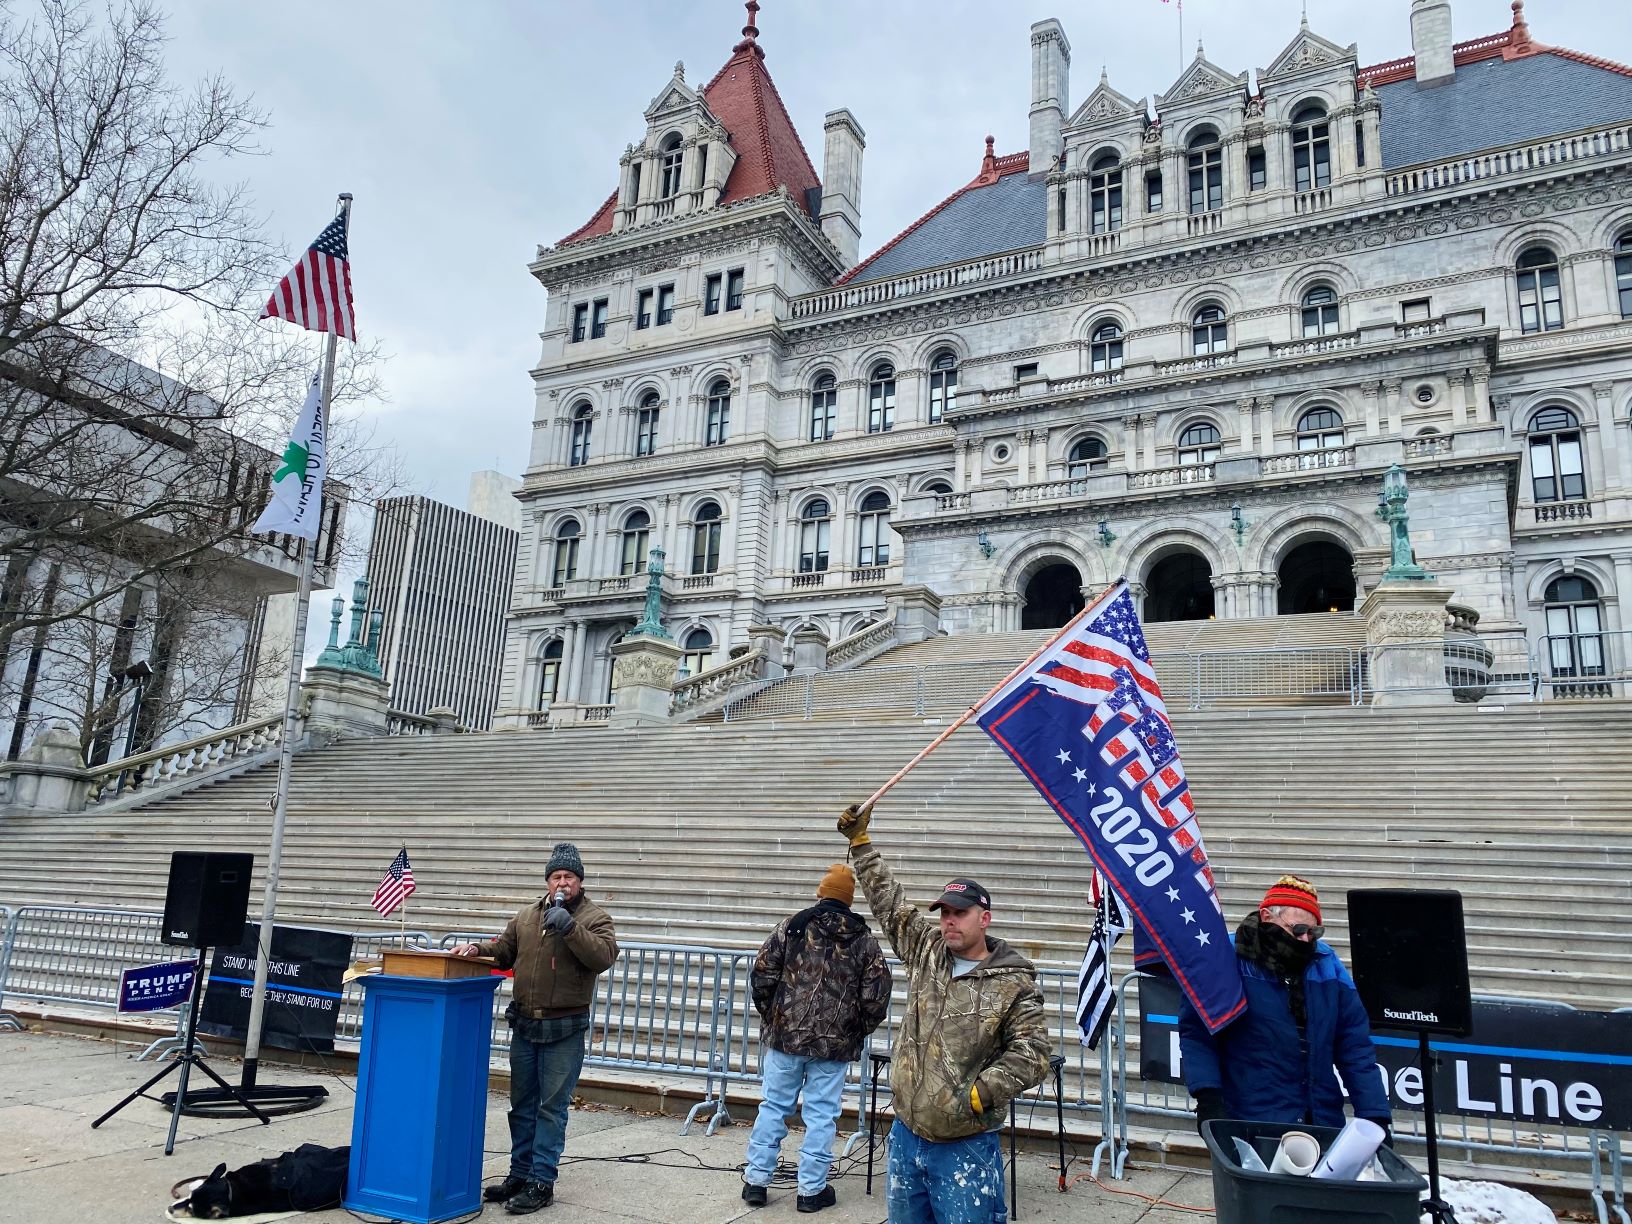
x=316 y=294
x=397 y=886
x=1094 y=991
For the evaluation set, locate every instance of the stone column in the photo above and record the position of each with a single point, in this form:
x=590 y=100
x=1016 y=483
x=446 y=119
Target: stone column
x=1393 y=389
x=917 y=612
x=1247 y=408
x=1022 y=458
x=960 y=465
x=1612 y=445
x=49 y=775
x=646 y=668
x=1369 y=398
x=809 y=651
x=575 y=666
x=770 y=642
x=842 y=554
x=1480 y=375
x=1405 y=640
x=1130 y=443
x=1147 y=424
x=1460 y=408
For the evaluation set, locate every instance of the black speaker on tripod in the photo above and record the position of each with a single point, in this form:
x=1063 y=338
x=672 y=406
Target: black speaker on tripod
x=207 y=901
x=1408 y=949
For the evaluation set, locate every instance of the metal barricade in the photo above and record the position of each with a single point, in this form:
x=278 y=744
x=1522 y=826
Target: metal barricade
x=75 y=955
x=367 y=945
x=1269 y=674
x=8 y=934
x=1470 y=668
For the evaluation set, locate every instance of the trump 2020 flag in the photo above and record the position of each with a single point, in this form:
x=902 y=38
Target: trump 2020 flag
x=1085 y=722
x=296 y=507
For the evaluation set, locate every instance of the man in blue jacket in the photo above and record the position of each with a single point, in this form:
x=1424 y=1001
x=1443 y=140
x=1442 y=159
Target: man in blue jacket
x=1303 y=1019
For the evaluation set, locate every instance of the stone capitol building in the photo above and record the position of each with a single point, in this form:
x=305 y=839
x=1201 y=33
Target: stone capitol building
x=1180 y=338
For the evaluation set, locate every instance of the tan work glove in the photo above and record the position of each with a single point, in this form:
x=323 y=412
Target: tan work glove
x=853 y=824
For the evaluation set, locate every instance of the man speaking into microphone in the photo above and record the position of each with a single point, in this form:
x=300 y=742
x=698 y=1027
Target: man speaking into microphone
x=557 y=946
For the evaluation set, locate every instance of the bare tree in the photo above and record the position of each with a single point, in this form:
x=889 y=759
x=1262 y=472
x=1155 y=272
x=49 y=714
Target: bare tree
x=142 y=405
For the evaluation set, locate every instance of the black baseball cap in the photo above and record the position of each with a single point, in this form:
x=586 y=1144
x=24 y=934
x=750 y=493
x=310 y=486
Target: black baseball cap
x=963 y=893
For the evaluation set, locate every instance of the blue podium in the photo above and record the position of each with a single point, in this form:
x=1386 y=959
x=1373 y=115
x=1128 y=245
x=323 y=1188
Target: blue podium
x=421 y=1109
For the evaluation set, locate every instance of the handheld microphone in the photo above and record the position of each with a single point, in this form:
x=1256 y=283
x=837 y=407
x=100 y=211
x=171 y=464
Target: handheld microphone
x=560 y=896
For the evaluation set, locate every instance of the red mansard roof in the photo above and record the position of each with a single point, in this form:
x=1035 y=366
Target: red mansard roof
x=1510 y=44
x=745 y=100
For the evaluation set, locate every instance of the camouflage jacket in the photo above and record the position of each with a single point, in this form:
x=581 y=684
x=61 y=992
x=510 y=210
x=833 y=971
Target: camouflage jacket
x=987 y=1029
x=821 y=984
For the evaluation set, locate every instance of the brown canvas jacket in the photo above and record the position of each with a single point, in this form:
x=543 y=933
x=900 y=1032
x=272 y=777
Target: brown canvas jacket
x=555 y=974
x=821 y=992
x=987 y=1029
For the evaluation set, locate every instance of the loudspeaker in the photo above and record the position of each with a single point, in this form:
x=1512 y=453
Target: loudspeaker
x=1409 y=953
x=207 y=900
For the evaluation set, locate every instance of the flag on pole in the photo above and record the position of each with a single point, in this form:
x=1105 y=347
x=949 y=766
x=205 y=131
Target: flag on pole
x=296 y=507
x=316 y=294
x=1095 y=993
x=397 y=886
x=1086 y=723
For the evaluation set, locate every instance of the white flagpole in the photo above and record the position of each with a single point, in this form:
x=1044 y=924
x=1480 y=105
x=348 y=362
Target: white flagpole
x=286 y=746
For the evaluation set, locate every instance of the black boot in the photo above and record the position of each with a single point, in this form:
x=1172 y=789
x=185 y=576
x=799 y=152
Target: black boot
x=533 y=1197
x=505 y=1190
x=753 y=1195
x=825 y=1197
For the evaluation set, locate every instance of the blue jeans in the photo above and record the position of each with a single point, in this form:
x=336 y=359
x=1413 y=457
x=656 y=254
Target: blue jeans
x=785 y=1076
x=958 y=1182
x=542 y=1077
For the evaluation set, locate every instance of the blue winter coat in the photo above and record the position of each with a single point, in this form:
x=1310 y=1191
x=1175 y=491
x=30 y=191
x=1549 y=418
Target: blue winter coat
x=1268 y=1071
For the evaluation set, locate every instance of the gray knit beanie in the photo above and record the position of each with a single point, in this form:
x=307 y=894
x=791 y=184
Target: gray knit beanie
x=565 y=858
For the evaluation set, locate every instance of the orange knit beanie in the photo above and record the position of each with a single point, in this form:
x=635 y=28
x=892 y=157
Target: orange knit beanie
x=839 y=884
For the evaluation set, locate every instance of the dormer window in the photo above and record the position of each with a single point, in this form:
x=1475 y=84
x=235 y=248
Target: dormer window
x=1206 y=167
x=671 y=155
x=1311 y=148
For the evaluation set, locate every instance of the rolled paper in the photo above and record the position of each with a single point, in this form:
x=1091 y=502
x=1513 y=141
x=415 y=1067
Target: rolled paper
x=1351 y=1151
x=1298 y=1154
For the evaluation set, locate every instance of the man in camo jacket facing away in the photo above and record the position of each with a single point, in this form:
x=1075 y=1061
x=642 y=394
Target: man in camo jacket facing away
x=821 y=985
x=975 y=1035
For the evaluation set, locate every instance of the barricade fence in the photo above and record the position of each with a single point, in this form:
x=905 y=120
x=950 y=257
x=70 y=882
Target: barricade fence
x=682 y=1010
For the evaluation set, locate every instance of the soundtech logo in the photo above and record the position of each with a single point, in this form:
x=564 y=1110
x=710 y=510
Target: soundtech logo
x=1415 y=1016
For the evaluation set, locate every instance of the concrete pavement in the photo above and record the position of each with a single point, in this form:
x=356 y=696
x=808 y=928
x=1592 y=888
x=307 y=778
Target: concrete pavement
x=619 y=1165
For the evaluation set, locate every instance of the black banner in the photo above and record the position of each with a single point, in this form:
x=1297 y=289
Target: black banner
x=306 y=972
x=1527 y=1062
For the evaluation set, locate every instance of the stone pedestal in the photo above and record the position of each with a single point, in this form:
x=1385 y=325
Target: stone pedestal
x=917 y=613
x=344 y=703
x=809 y=651
x=446 y=719
x=772 y=646
x=1405 y=639
x=49 y=775
x=646 y=670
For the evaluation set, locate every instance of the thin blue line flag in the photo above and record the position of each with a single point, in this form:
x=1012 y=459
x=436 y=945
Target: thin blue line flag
x=1086 y=723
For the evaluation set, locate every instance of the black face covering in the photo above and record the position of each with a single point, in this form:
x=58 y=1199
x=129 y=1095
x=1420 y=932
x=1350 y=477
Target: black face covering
x=1278 y=951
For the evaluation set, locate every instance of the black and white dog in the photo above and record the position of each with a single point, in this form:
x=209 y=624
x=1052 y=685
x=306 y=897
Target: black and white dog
x=307 y=1179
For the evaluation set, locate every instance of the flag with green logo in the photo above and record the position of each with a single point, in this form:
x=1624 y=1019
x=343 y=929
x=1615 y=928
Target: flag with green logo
x=296 y=507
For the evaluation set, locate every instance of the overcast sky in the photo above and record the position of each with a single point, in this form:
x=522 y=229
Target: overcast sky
x=471 y=132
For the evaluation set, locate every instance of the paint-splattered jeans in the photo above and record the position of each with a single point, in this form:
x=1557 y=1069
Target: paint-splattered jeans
x=960 y=1182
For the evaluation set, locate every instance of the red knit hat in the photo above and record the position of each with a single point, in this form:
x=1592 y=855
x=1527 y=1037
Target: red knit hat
x=1290 y=890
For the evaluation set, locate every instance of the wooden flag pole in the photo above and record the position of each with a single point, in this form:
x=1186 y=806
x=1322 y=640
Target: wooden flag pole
x=975 y=708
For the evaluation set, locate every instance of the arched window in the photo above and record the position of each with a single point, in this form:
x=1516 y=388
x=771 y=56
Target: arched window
x=1320 y=311
x=824 y=398
x=939 y=487
x=1105 y=194
x=1311 y=148
x=1320 y=428
x=699 y=652
x=1209 y=330
x=646 y=424
x=1575 y=645
x=1623 y=273
x=719 y=413
x=1199 y=443
x=565 y=567
x=1088 y=455
x=1556 y=470
x=1541 y=301
x=637 y=530
x=583 y=419
x=881 y=398
x=549 y=674
x=943 y=385
x=705 y=538
x=1206 y=166
x=874 y=548
x=1105 y=348
x=815 y=534
x=669 y=177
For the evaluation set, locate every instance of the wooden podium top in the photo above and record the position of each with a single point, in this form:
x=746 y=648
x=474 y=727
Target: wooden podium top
x=412 y=962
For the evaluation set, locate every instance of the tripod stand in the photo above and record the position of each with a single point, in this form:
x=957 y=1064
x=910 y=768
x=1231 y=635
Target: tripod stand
x=186 y=1061
x=1434 y=1207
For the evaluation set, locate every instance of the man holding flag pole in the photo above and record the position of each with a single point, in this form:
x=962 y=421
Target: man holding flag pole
x=315 y=295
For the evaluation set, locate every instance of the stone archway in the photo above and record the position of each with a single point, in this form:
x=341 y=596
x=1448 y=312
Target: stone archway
x=1179 y=587
x=1052 y=595
x=1316 y=576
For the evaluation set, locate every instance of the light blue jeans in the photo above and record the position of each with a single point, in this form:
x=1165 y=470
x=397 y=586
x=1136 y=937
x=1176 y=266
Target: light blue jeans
x=786 y=1077
x=958 y=1182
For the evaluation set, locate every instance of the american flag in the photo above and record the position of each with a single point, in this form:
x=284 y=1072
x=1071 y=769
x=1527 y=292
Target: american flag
x=1094 y=990
x=397 y=886
x=316 y=294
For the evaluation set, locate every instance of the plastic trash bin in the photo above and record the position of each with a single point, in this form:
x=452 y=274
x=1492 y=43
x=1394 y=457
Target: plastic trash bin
x=1242 y=1196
